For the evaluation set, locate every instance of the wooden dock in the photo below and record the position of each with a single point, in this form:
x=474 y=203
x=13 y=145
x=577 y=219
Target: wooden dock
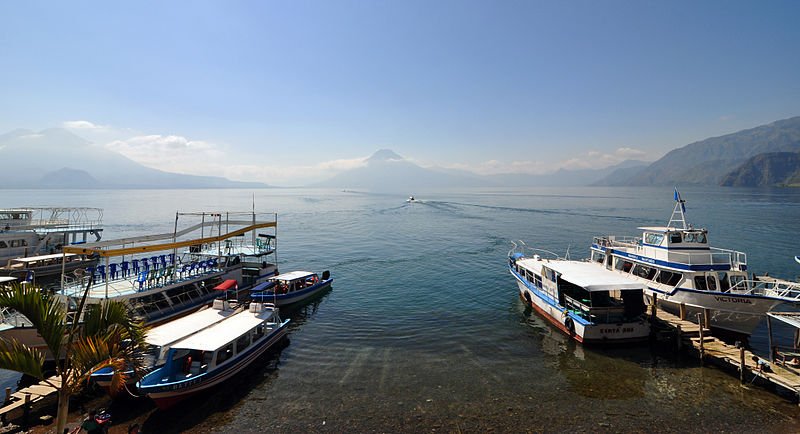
x=29 y=399
x=691 y=337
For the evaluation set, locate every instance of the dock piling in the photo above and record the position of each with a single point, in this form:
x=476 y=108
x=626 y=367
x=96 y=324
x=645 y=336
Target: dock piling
x=702 y=347
x=682 y=311
x=742 y=364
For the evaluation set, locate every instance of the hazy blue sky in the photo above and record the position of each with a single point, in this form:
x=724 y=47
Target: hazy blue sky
x=275 y=89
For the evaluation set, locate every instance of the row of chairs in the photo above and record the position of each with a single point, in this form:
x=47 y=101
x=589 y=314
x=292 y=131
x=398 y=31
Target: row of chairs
x=134 y=267
x=159 y=277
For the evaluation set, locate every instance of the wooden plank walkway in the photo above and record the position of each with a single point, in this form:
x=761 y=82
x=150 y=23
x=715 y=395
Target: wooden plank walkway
x=729 y=356
x=37 y=396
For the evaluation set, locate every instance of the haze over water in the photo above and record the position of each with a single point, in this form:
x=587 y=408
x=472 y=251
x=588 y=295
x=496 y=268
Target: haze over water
x=424 y=330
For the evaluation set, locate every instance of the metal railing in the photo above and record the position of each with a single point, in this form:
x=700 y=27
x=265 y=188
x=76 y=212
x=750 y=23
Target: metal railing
x=776 y=288
x=715 y=256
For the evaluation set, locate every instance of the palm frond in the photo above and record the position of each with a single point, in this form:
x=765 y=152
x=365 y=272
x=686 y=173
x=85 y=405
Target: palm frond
x=45 y=312
x=15 y=356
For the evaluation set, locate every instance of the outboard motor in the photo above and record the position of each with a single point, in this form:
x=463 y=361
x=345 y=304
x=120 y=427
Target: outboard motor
x=326 y=275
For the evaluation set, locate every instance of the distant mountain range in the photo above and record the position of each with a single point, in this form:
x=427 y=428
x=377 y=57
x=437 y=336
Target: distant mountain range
x=56 y=158
x=386 y=171
x=732 y=159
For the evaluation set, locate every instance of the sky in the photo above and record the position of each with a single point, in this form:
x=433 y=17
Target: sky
x=274 y=90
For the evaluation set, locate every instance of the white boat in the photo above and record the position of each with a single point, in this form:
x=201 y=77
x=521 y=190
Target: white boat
x=156 y=282
x=40 y=232
x=592 y=305
x=291 y=287
x=411 y=199
x=679 y=267
x=160 y=338
x=212 y=356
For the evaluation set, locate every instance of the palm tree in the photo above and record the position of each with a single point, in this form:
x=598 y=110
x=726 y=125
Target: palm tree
x=108 y=337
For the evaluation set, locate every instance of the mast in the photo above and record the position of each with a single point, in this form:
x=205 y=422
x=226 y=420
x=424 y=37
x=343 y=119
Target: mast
x=678 y=217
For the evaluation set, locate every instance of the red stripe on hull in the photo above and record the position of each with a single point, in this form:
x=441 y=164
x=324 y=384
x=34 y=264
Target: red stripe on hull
x=552 y=320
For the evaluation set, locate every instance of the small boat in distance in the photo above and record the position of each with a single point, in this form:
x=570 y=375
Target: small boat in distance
x=592 y=305
x=291 y=287
x=411 y=199
x=213 y=355
x=797 y=259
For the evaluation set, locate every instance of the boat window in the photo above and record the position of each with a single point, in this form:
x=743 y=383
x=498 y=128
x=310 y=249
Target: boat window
x=624 y=266
x=18 y=243
x=3 y=245
x=712 y=282
x=669 y=278
x=654 y=239
x=723 y=281
x=700 y=283
x=738 y=282
x=675 y=238
x=599 y=257
x=537 y=281
x=695 y=237
x=224 y=353
x=242 y=343
x=644 y=271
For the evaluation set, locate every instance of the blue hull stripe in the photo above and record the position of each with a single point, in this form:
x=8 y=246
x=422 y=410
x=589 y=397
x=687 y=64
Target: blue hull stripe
x=546 y=298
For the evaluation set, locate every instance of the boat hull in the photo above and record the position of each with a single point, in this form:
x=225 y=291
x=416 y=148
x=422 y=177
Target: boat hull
x=168 y=395
x=737 y=314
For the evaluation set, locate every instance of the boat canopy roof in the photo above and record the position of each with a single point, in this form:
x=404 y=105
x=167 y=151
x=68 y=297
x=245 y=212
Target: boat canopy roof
x=222 y=333
x=184 y=326
x=43 y=257
x=226 y=285
x=6 y=279
x=293 y=275
x=591 y=277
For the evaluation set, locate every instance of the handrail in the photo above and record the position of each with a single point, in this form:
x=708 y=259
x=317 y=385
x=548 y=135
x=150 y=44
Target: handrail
x=714 y=256
x=776 y=288
x=98 y=250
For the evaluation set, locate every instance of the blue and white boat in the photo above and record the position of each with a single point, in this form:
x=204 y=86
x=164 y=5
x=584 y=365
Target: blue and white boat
x=160 y=339
x=213 y=355
x=291 y=287
x=677 y=266
x=592 y=305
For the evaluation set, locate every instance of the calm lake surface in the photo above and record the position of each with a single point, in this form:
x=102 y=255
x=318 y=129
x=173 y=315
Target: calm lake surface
x=424 y=330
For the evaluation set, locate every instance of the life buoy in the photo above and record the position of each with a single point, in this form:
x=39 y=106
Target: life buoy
x=570 y=325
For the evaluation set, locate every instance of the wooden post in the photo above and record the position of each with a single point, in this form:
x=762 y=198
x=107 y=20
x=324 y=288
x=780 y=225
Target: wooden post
x=683 y=311
x=769 y=336
x=654 y=308
x=680 y=337
x=26 y=411
x=742 y=365
x=707 y=318
x=702 y=349
x=8 y=396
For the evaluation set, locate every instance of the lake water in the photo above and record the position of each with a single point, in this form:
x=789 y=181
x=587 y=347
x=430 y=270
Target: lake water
x=424 y=331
